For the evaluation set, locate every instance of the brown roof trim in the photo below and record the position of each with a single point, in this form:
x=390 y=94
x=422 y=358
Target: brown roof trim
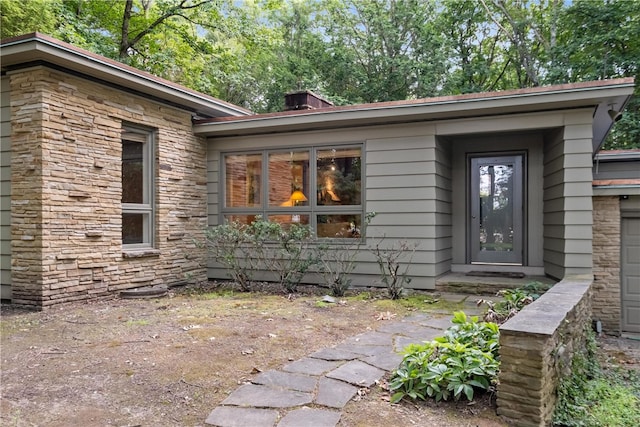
x=616 y=182
x=540 y=90
x=43 y=38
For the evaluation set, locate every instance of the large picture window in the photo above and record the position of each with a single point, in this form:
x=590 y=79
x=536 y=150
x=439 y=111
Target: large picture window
x=321 y=187
x=137 y=188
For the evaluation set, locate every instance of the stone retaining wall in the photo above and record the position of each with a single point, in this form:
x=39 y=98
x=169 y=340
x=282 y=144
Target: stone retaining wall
x=536 y=348
x=66 y=203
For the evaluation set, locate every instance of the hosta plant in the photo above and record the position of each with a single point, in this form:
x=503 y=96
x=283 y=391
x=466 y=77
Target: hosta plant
x=457 y=364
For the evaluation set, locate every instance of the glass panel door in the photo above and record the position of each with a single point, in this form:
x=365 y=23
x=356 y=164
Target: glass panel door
x=496 y=210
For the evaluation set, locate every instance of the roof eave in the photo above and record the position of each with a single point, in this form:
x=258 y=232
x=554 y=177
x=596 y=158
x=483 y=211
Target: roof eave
x=36 y=47
x=598 y=97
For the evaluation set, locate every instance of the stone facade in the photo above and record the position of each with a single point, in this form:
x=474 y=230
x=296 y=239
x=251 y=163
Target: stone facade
x=606 y=262
x=536 y=348
x=66 y=191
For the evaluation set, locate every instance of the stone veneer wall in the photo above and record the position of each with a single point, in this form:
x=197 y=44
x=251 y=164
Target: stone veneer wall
x=66 y=191
x=606 y=263
x=536 y=348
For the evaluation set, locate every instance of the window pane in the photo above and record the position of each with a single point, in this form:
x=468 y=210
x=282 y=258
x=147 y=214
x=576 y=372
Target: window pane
x=289 y=219
x=133 y=172
x=133 y=228
x=339 y=226
x=242 y=219
x=289 y=179
x=339 y=176
x=243 y=180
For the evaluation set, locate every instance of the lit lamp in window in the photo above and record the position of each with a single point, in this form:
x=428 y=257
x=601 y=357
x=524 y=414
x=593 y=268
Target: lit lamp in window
x=296 y=197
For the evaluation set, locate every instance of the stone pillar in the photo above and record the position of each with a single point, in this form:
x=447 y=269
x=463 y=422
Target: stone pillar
x=606 y=262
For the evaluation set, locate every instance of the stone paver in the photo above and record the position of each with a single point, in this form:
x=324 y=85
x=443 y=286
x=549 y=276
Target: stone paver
x=334 y=354
x=231 y=416
x=311 y=366
x=357 y=373
x=370 y=338
x=387 y=362
x=437 y=322
x=328 y=378
x=402 y=342
x=367 y=350
x=260 y=396
x=307 y=417
x=286 y=380
x=408 y=329
x=334 y=393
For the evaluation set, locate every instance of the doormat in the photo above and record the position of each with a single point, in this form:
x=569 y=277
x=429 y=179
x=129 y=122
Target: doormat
x=507 y=274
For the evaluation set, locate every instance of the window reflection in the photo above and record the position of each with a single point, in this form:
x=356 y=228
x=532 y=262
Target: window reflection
x=289 y=178
x=243 y=181
x=329 y=200
x=496 y=219
x=132 y=172
x=339 y=176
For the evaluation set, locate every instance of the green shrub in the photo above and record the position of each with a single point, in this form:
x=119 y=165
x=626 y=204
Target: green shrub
x=230 y=244
x=513 y=301
x=285 y=250
x=263 y=245
x=595 y=396
x=465 y=359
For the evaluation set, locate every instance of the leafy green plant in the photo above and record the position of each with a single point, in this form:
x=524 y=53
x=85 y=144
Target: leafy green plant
x=263 y=245
x=463 y=360
x=284 y=250
x=597 y=396
x=390 y=261
x=513 y=301
x=230 y=244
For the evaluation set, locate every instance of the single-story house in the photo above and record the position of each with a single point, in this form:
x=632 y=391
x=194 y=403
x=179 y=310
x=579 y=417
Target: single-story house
x=109 y=173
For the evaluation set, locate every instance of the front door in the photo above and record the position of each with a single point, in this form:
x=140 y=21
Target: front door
x=496 y=224
x=630 y=274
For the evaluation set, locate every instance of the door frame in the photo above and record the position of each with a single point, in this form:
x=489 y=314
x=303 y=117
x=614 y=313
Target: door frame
x=624 y=217
x=520 y=215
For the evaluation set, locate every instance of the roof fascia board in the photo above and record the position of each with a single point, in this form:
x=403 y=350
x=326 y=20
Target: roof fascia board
x=616 y=190
x=42 y=48
x=475 y=107
x=625 y=156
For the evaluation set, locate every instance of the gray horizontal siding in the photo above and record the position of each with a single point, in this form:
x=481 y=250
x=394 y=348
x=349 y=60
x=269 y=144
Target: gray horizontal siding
x=405 y=178
x=407 y=183
x=617 y=170
x=568 y=199
x=5 y=186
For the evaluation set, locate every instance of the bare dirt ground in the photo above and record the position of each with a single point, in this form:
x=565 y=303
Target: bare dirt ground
x=170 y=361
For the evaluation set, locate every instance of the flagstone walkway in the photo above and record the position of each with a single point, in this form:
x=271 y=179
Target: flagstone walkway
x=312 y=391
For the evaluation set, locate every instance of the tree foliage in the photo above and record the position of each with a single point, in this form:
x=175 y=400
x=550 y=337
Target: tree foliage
x=351 y=51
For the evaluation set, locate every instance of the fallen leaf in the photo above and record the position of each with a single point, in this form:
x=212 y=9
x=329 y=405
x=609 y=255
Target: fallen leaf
x=363 y=391
x=385 y=315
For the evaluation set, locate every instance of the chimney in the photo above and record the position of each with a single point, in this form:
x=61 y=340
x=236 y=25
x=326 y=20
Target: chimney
x=304 y=100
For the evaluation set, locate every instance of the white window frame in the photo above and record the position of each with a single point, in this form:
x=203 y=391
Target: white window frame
x=147 y=138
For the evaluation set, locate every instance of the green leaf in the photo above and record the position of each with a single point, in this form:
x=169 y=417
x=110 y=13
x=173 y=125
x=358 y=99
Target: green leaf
x=397 y=397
